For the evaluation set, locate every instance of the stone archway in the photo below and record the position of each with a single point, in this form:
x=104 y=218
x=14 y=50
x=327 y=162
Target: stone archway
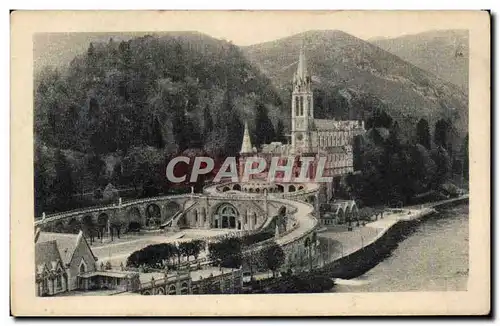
x=280 y=188
x=237 y=187
x=340 y=216
x=203 y=216
x=225 y=189
x=171 y=208
x=160 y=291
x=153 y=215
x=134 y=220
x=354 y=213
x=172 y=290
x=184 y=288
x=226 y=216
x=291 y=188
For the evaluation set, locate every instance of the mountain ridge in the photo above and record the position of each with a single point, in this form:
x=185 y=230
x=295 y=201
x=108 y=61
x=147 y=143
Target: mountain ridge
x=442 y=52
x=346 y=63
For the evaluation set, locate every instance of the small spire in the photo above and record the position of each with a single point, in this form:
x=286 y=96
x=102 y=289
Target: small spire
x=246 y=145
x=302 y=67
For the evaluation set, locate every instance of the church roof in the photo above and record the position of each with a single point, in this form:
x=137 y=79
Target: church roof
x=46 y=253
x=66 y=243
x=336 y=125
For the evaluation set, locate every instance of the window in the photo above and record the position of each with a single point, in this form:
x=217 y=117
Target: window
x=59 y=281
x=301 y=106
x=309 y=106
x=83 y=268
x=297 y=106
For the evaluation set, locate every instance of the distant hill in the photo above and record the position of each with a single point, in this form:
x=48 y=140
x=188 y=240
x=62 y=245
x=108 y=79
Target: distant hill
x=352 y=77
x=444 y=53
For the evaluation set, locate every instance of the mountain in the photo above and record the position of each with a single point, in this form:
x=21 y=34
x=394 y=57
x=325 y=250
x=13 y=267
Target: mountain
x=352 y=77
x=445 y=53
x=118 y=110
x=146 y=85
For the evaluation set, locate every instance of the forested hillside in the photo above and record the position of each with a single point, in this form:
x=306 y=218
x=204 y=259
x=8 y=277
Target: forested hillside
x=444 y=53
x=352 y=78
x=122 y=108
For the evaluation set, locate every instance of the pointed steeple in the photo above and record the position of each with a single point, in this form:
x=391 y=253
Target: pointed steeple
x=246 y=145
x=302 y=79
x=302 y=67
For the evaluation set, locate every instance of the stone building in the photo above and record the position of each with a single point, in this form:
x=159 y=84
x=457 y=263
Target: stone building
x=59 y=259
x=64 y=262
x=312 y=137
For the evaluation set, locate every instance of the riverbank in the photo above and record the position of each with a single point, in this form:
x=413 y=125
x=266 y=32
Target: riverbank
x=352 y=253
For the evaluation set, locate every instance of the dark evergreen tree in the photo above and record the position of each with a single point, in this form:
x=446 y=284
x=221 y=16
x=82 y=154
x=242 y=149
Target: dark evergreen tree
x=157 y=136
x=280 y=132
x=264 y=130
x=441 y=131
x=207 y=121
x=465 y=158
x=63 y=187
x=423 y=133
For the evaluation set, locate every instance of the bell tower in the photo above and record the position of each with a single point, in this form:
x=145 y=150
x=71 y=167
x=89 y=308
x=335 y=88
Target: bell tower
x=302 y=108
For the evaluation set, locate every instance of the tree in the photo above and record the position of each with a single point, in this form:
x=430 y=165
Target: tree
x=226 y=253
x=443 y=166
x=423 y=133
x=196 y=247
x=142 y=165
x=273 y=256
x=264 y=131
x=441 y=132
x=63 y=186
x=280 y=132
x=465 y=158
x=253 y=259
x=208 y=124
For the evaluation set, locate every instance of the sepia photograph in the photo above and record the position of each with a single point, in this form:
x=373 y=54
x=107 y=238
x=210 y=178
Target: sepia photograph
x=198 y=156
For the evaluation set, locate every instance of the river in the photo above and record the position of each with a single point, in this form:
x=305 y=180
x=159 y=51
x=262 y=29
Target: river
x=434 y=257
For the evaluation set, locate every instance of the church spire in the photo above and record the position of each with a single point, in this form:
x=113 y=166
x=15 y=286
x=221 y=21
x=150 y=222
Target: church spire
x=302 y=67
x=302 y=79
x=246 y=145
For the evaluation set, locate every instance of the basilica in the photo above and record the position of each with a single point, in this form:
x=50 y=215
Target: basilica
x=332 y=139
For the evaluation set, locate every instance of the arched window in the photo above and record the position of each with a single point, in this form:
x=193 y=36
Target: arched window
x=83 y=267
x=302 y=106
x=309 y=106
x=184 y=288
x=59 y=282
x=297 y=106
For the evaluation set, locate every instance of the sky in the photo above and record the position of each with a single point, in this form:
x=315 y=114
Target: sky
x=240 y=27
